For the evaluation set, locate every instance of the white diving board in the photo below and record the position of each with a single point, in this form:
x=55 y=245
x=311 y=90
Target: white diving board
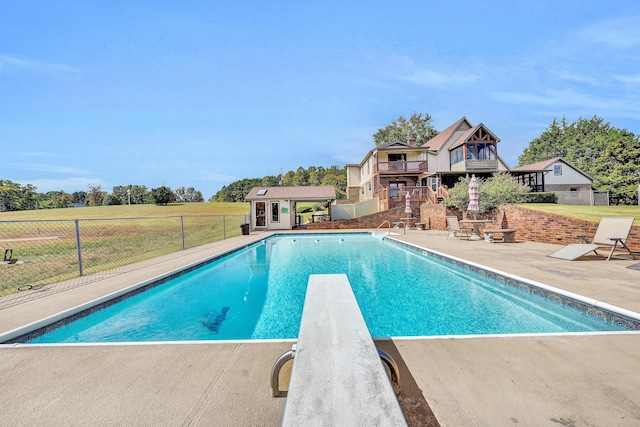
x=337 y=377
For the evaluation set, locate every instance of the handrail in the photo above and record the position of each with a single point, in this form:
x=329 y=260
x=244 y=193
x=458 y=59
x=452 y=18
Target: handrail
x=383 y=222
x=275 y=371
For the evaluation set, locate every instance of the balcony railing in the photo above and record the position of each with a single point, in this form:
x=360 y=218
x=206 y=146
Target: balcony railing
x=417 y=194
x=400 y=166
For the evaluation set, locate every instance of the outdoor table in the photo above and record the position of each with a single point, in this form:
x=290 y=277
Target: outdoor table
x=475 y=233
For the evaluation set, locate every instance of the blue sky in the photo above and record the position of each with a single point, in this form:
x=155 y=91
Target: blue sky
x=202 y=93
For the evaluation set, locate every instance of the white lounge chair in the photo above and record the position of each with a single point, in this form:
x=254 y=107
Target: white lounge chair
x=612 y=233
x=455 y=230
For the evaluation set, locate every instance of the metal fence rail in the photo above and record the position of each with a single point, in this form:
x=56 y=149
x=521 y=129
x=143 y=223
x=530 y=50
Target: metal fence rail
x=72 y=253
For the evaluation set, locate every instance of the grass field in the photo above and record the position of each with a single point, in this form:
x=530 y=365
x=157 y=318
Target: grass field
x=129 y=211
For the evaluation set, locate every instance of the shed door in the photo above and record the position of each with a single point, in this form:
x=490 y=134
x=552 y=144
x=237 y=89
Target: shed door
x=261 y=214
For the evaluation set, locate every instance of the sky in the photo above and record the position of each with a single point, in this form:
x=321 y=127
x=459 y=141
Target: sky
x=203 y=93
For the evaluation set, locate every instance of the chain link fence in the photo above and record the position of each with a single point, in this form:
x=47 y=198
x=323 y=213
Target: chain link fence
x=47 y=256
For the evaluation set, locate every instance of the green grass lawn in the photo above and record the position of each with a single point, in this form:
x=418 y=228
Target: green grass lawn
x=129 y=211
x=587 y=213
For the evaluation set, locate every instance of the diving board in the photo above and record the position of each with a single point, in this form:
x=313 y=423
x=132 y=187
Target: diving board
x=337 y=377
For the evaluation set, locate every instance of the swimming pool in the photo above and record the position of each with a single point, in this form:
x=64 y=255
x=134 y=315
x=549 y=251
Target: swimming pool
x=258 y=293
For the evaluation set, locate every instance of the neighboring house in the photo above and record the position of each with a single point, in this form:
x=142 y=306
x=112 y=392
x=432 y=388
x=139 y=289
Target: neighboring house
x=390 y=171
x=556 y=175
x=274 y=208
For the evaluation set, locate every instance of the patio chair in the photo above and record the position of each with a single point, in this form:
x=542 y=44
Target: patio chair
x=612 y=232
x=456 y=230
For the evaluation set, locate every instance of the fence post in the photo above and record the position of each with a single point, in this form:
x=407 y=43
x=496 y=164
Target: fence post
x=224 y=227
x=182 y=230
x=79 y=245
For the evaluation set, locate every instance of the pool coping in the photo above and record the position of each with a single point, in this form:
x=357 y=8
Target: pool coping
x=602 y=310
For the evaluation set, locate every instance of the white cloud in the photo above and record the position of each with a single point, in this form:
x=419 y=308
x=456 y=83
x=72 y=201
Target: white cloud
x=580 y=78
x=48 y=168
x=567 y=98
x=622 y=33
x=217 y=177
x=439 y=79
x=633 y=79
x=10 y=63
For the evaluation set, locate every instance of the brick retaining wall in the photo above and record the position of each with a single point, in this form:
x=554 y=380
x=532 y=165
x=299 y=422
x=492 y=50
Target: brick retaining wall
x=365 y=222
x=532 y=225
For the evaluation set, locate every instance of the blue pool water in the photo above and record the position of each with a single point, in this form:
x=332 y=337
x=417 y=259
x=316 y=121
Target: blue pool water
x=258 y=293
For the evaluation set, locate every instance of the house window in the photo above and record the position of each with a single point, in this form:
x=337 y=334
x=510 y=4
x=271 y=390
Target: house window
x=557 y=170
x=457 y=155
x=275 y=212
x=481 y=152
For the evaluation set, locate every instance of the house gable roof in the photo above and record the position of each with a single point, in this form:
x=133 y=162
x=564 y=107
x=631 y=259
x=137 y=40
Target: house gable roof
x=312 y=193
x=545 y=165
x=399 y=145
x=439 y=141
x=466 y=136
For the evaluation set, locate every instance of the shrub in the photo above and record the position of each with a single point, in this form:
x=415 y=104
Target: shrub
x=161 y=196
x=545 y=197
x=111 y=200
x=500 y=189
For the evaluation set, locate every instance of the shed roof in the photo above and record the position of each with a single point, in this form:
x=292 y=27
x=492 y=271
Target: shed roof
x=324 y=192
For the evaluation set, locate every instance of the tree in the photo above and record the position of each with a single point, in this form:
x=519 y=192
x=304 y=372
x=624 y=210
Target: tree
x=270 y=181
x=236 y=191
x=139 y=195
x=418 y=127
x=16 y=197
x=287 y=180
x=161 y=196
x=188 y=195
x=301 y=177
x=622 y=177
x=59 y=199
x=79 y=197
x=96 y=195
x=122 y=193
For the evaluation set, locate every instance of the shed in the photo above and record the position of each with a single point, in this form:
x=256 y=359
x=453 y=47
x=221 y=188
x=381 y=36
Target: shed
x=274 y=208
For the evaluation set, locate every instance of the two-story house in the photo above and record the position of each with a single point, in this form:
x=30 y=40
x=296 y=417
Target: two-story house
x=390 y=171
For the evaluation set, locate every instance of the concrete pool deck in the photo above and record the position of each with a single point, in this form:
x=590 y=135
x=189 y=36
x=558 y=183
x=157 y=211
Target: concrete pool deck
x=536 y=380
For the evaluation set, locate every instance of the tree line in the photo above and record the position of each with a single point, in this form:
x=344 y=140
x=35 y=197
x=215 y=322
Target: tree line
x=17 y=197
x=335 y=176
